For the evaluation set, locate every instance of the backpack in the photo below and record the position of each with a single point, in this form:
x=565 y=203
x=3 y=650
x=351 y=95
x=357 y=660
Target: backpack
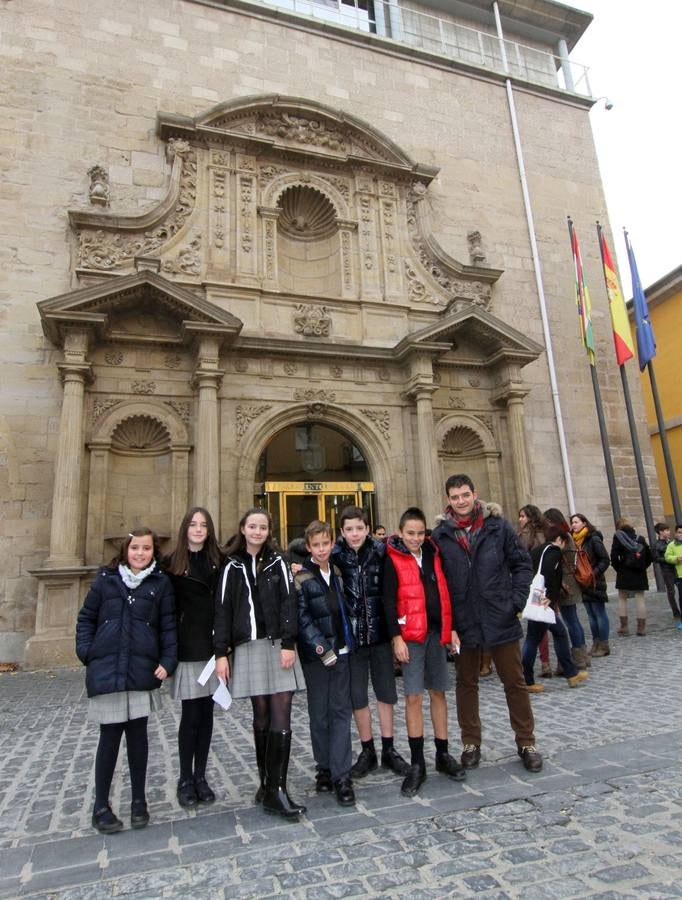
x=584 y=574
x=636 y=560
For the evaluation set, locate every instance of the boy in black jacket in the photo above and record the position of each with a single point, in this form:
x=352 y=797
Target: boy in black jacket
x=324 y=641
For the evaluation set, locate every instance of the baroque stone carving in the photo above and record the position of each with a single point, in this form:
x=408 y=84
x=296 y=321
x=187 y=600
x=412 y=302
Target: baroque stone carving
x=141 y=433
x=461 y=440
x=143 y=387
x=99 y=186
x=456 y=402
x=321 y=396
x=290 y=368
x=347 y=260
x=99 y=407
x=113 y=357
x=101 y=249
x=382 y=421
x=487 y=421
x=219 y=158
x=172 y=360
x=312 y=321
x=301 y=130
x=341 y=186
x=336 y=372
x=416 y=290
x=246 y=414
x=267 y=173
x=241 y=365
x=181 y=408
x=306 y=213
x=246 y=200
x=219 y=209
x=477 y=253
x=188 y=260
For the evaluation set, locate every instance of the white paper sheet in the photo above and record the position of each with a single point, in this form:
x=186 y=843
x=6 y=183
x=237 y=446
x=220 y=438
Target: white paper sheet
x=222 y=696
x=207 y=671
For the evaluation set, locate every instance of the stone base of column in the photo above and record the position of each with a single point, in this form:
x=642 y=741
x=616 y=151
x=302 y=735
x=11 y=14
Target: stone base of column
x=60 y=596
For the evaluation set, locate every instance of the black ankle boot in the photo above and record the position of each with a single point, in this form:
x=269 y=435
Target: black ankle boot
x=260 y=739
x=276 y=799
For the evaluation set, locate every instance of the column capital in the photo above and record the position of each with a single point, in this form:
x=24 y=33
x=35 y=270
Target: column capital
x=211 y=378
x=78 y=372
x=420 y=390
x=510 y=393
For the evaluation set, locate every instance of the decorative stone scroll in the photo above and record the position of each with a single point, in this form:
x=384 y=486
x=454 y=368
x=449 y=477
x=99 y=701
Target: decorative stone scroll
x=99 y=186
x=99 y=407
x=246 y=414
x=143 y=387
x=188 y=260
x=99 y=248
x=312 y=321
x=181 y=408
x=320 y=396
x=382 y=421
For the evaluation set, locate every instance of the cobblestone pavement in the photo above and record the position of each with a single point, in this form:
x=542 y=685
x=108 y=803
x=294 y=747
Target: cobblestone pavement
x=602 y=820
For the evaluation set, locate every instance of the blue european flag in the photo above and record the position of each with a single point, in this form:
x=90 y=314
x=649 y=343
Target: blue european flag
x=646 y=342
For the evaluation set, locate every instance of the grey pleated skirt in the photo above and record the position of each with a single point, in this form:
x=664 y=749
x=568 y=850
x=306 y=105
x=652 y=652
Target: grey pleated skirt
x=256 y=670
x=106 y=709
x=183 y=684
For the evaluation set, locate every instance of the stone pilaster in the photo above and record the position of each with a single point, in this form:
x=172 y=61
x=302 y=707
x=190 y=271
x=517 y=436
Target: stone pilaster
x=207 y=379
x=427 y=463
x=512 y=396
x=99 y=474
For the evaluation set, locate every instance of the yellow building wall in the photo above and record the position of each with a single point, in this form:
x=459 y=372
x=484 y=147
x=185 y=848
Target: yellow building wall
x=666 y=320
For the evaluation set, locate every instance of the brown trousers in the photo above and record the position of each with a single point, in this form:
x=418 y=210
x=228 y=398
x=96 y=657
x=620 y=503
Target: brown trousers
x=507 y=659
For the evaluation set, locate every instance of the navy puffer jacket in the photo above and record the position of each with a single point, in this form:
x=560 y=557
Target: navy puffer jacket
x=123 y=634
x=316 y=632
x=362 y=574
x=489 y=588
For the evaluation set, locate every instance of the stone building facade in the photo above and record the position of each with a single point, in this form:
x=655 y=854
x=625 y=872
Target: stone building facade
x=255 y=255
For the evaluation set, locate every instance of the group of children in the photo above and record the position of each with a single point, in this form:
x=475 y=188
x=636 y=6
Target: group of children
x=331 y=627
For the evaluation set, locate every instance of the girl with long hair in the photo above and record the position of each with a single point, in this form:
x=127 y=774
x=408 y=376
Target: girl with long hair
x=531 y=535
x=256 y=622
x=193 y=567
x=595 y=599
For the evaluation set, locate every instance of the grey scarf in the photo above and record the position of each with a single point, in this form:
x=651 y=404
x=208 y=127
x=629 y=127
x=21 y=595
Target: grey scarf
x=629 y=543
x=130 y=579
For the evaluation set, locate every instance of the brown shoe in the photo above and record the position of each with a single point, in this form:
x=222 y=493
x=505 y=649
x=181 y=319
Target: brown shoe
x=577 y=679
x=531 y=759
x=535 y=688
x=601 y=648
x=641 y=627
x=471 y=756
x=623 y=631
x=546 y=670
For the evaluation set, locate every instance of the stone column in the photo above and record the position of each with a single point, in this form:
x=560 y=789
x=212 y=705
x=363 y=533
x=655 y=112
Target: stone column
x=427 y=461
x=66 y=492
x=207 y=379
x=517 y=436
x=99 y=473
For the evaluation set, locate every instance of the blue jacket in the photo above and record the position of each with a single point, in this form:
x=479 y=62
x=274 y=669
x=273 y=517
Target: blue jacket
x=362 y=574
x=489 y=588
x=316 y=633
x=123 y=634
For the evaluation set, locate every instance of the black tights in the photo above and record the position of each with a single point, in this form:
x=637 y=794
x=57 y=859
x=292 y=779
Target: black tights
x=107 y=754
x=194 y=737
x=272 y=712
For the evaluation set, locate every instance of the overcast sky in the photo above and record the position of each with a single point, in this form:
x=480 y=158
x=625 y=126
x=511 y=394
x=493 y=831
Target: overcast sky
x=633 y=53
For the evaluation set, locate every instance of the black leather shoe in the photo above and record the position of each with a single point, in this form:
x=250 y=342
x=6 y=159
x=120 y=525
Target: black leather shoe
x=531 y=759
x=323 y=781
x=415 y=778
x=345 y=795
x=139 y=814
x=187 y=795
x=203 y=791
x=449 y=766
x=471 y=756
x=391 y=759
x=365 y=763
x=105 y=821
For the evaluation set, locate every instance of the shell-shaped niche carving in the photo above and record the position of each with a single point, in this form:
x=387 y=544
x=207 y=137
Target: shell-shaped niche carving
x=140 y=434
x=306 y=213
x=462 y=441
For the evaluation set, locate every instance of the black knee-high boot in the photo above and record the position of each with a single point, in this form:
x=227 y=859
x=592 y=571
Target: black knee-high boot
x=276 y=799
x=260 y=739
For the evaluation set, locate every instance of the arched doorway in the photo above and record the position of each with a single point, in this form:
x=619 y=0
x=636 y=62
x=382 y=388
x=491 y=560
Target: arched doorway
x=311 y=471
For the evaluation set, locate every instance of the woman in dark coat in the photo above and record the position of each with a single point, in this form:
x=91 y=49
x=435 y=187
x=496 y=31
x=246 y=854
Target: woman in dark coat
x=125 y=635
x=530 y=532
x=595 y=599
x=193 y=568
x=630 y=557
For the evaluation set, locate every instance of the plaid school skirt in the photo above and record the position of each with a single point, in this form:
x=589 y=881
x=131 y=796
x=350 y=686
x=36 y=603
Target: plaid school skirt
x=106 y=709
x=183 y=684
x=256 y=670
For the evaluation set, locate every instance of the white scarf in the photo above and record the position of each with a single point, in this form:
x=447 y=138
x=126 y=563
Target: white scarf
x=130 y=579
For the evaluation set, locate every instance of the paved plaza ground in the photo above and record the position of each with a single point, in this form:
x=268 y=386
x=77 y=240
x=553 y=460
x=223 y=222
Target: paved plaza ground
x=602 y=820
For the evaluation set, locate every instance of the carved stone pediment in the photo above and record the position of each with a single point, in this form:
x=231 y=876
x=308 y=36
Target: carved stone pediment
x=134 y=307
x=292 y=123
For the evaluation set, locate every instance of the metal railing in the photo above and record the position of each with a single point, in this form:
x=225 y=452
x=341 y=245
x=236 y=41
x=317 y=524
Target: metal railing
x=414 y=28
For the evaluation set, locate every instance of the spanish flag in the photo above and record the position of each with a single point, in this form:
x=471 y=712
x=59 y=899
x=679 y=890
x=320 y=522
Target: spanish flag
x=622 y=336
x=582 y=297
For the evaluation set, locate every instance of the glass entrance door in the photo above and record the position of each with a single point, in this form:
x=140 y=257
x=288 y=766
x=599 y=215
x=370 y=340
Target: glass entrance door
x=294 y=504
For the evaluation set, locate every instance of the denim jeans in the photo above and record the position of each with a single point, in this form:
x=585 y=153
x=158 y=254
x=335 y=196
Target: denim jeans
x=599 y=619
x=536 y=631
x=569 y=614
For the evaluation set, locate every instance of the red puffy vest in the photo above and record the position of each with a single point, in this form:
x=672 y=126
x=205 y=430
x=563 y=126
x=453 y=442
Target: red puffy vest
x=411 y=597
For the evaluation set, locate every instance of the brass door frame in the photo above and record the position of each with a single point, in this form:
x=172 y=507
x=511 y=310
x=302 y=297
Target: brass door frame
x=320 y=489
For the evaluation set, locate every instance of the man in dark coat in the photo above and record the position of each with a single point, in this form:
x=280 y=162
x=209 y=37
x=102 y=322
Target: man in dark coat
x=488 y=574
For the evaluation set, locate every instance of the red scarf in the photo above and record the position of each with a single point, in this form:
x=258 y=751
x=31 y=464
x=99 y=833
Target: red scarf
x=474 y=522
